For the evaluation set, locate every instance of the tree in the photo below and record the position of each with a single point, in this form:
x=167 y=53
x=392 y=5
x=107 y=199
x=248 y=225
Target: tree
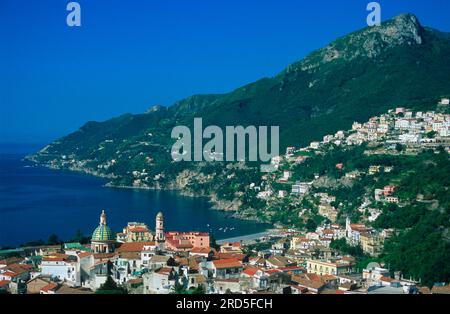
x=399 y=147
x=178 y=288
x=431 y=134
x=53 y=240
x=342 y=246
x=212 y=242
x=311 y=225
x=110 y=287
x=33 y=243
x=80 y=237
x=199 y=290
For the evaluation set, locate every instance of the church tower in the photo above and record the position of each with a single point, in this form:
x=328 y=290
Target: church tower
x=159 y=231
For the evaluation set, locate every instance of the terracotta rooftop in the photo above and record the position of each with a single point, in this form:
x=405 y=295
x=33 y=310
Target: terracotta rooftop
x=227 y=263
x=130 y=255
x=236 y=244
x=359 y=227
x=9 y=261
x=57 y=257
x=279 y=261
x=271 y=271
x=4 y=282
x=292 y=268
x=201 y=250
x=133 y=246
x=139 y=229
x=441 y=289
x=328 y=277
x=238 y=256
x=104 y=255
x=19 y=268
x=250 y=271
x=164 y=270
x=9 y=274
x=84 y=254
x=50 y=286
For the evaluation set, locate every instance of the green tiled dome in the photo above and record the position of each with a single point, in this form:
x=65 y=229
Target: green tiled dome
x=102 y=233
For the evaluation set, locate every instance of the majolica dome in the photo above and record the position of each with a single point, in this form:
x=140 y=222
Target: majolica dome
x=102 y=232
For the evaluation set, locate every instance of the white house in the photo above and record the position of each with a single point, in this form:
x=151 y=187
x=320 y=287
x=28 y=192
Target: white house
x=160 y=281
x=63 y=267
x=148 y=251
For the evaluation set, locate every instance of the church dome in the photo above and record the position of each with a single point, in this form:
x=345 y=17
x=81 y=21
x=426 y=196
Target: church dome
x=102 y=233
x=160 y=215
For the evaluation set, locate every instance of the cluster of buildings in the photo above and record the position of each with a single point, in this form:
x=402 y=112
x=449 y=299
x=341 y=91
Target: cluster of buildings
x=398 y=130
x=77 y=268
x=160 y=262
x=414 y=130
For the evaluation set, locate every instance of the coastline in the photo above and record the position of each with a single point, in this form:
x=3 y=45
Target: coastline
x=224 y=206
x=82 y=210
x=249 y=238
x=216 y=205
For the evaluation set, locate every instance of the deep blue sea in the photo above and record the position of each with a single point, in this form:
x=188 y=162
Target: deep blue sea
x=36 y=202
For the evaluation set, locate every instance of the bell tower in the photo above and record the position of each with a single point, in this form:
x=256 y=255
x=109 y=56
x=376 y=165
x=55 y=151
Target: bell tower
x=159 y=231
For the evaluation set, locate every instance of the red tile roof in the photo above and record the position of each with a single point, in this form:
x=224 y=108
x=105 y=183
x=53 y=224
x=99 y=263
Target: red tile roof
x=359 y=227
x=10 y=260
x=9 y=274
x=84 y=254
x=441 y=289
x=236 y=244
x=227 y=263
x=139 y=229
x=239 y=256
x=133 y=246
x=50 y=286
x=328 y=277
x=19 y=268
x=250 y=271
x=164 y=270
x=57 y=257
x=272 y=271
x=291 y=268
x=4 y=282
x=201 y=250
x=104 y=255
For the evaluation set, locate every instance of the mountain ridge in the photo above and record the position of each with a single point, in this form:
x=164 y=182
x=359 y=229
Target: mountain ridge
x=365 y=73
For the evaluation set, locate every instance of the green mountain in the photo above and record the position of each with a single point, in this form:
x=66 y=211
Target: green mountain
x=365 y=73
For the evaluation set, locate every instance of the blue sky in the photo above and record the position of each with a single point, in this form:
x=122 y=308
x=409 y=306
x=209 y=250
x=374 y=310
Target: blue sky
x=130 y=55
